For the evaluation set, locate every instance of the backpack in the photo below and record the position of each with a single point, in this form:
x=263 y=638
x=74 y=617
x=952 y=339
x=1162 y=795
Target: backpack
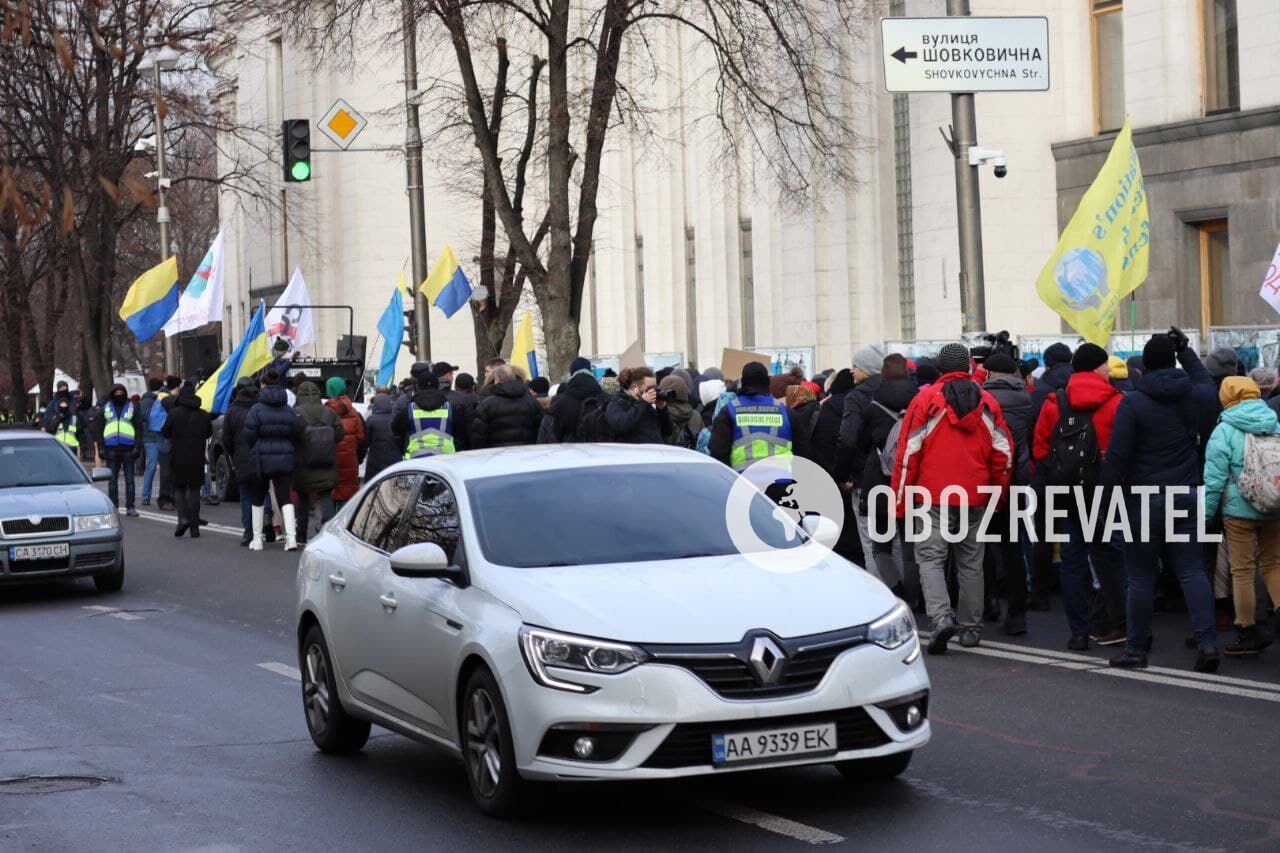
x=1259 y=481
x=890 y=450
x=318 y=450
x=1075 y=459
x=688 y=439
x=157 y=416
x=591 y=423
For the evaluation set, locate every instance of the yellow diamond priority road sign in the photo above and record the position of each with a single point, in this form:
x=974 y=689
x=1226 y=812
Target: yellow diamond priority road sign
x=342 y=124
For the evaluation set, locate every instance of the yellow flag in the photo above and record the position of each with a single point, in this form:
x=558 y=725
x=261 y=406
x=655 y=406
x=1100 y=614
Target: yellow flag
x=1102 y=254
x=402 y=285
x=440 y=275
x=522 y=351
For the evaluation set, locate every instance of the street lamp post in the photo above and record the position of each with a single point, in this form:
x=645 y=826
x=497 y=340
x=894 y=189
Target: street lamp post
x=164 y=59
x=413 y=173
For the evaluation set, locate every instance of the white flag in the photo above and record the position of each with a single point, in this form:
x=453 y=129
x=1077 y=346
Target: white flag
x=292 y=324
x=1271 y=282
x=201 y=302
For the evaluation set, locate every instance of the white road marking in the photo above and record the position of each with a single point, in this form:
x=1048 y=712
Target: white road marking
x=114 y=613
x=282 y=669
x=1222 y=684
x=773 y=823
x=211 y=528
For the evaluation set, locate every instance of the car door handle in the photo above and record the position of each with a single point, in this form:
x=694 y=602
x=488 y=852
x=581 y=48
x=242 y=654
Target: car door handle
x=388 y=601
x=337 y=581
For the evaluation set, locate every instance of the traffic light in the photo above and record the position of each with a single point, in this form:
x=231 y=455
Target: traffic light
x=411 y=339
x=297 y=149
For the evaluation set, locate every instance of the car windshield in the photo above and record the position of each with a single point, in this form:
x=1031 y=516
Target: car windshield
x=616 y=514
x=37 y=462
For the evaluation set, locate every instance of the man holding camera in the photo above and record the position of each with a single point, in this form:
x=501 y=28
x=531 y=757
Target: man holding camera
x=1156 y=442
x=639 y=414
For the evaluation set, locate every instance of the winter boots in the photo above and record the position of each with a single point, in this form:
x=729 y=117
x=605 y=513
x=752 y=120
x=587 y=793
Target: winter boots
x=258 y=515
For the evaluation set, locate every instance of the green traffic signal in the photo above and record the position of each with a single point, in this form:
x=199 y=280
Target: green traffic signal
x=296 y=142
x=301 y=170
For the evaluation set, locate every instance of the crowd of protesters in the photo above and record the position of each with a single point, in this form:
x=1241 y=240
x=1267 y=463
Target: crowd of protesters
x=958 y=427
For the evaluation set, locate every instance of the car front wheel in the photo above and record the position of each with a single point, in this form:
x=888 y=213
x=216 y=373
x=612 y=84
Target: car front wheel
x=332 y=729
x=488 y=750
x=882 y=768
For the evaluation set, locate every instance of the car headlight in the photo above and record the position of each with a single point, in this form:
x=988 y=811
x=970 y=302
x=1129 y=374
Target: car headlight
x=895 y=628
x=544 y=649
x=87 y=523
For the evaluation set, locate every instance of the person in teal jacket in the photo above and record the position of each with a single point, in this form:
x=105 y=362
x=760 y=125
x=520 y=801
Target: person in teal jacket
x=1252 y=537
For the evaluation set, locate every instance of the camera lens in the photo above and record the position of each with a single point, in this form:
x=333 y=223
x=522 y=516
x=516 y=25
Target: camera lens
x=1001 y=171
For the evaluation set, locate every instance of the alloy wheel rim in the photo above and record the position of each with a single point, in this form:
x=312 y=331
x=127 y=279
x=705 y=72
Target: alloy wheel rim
x=484 y=753
x=315 y=690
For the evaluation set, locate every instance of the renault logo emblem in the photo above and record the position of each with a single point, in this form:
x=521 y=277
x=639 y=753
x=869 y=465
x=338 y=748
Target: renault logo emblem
x=767 y=660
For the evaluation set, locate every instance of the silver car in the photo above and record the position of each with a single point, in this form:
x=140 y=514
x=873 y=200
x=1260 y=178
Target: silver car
x=580 y=612
x=53 y=522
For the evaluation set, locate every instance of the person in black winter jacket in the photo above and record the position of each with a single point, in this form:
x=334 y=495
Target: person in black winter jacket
x=867 y=362
x=1004 y=383
x=637 y=416
x=429 y=397
x=1155 y=441
x=236 y=448
x=1057 y=363
x=463 y=397
x=566 y=406
x=384 y=445
x=1057 y=371
x=273 y=432
x=824 y=436
x=508 y=415
x=188 y=428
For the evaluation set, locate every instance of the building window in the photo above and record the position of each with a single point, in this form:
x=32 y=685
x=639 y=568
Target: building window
x=1221 y=56
x=1108 y=64
x=1215 y=273
x=747 y=281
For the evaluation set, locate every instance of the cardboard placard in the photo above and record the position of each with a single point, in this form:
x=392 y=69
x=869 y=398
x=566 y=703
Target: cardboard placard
x=733 y=360
x=632 y=356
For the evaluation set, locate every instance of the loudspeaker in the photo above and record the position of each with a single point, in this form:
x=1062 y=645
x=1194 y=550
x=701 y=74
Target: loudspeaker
x=201 y=354
x=351 y=347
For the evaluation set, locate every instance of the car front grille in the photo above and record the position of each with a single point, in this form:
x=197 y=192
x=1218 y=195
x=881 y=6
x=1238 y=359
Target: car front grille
x=24 y=526
x=689 y=744
x=726 y=668
x=17 y=567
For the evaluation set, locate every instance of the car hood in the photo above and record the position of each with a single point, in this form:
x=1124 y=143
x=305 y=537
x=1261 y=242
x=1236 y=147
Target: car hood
x=702 y=600
x=74 y=499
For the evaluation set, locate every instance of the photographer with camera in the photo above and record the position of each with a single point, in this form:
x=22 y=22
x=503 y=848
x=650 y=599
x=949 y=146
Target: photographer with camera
x=639 y=414
x=1155 y=441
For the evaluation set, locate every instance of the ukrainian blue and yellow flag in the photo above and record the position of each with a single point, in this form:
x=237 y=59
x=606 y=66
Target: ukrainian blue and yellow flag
x=251 y=355
x=391 y=326
x=152 y=299
x=447 y=287
x=522 y=352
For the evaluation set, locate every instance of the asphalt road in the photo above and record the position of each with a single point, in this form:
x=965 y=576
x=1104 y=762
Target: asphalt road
x=169 y=717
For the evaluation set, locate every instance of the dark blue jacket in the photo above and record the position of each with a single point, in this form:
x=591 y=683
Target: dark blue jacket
x=272 y=431
x=1050 y=382
x=1161 y=425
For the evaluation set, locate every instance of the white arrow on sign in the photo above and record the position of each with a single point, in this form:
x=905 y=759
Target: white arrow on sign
x=965 y=54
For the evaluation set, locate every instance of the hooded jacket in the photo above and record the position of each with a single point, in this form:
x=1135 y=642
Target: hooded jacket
x=1158 y=428
x=312 y=412
x=384 y=445
x=895 y=395
x=952 y=435
x=681 y=413
x=508 y=415
x=233 y=440
x=1087 y=392
x=350 y=451
x=850 y=459
x=139 y=425
x=1224 y=457
x=566 y=406
x=1015 y=404
x=272 y=431
x=188 y=428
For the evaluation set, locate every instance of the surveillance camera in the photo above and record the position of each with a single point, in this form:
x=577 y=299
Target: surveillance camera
x=993 y=157
x=1000 y=167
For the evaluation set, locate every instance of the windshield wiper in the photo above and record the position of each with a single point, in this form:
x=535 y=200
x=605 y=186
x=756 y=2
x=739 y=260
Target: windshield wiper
x=20 y=485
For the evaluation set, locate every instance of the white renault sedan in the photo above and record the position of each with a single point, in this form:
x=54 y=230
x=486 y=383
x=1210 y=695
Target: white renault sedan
x=581 y=612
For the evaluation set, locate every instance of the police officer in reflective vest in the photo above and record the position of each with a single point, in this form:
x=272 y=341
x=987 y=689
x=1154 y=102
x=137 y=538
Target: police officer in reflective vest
x=121 y=444
x=752 y=427
x=428 y=425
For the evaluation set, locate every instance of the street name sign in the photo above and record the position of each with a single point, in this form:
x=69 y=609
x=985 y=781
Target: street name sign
x=342 y=124
x=965 y=54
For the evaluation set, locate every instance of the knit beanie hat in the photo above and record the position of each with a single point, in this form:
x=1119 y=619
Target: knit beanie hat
x=1222 y=362
x=579 y=363
x=799 y=394
x=1058 y=353
x=610 y=385
x=1237 y=389
x=710 y=390
x=869 y=358
x=1088 y=357
x=335 y=386
x=1119 y=369
x=1158 y=353
x=675 y=383
x=954 y=358
x=713 y=373
x=755 y=375
x=1264 y=378
x=1000 y=362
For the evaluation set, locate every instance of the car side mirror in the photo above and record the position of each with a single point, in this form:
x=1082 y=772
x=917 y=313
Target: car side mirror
x=820 y=529
x=100 y=475
x=425 y=560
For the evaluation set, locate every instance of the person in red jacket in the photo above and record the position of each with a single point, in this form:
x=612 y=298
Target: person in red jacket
x=351 y=450
x=953 y=436
x=1089 y=394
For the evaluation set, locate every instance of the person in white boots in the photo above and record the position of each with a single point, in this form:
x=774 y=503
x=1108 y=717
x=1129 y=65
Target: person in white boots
x=272 y=432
